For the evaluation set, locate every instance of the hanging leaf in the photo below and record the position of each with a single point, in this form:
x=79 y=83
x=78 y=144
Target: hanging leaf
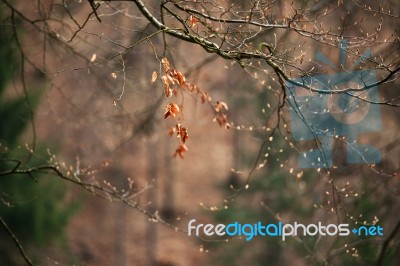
x=222 y=121
x=171 y=110
x=205 y=97
x=180 y=78
x=219 y=106
x=182 y=133
x=180 y=150
x=168 y=92
x=166 y=65
x=192 y=21
x=154 y=77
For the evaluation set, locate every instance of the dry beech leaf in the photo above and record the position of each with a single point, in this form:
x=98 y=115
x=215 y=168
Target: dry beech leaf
x=181 y=78
x=182 y=133
x=153 y=76
x=222 y=121
x=166 y=65
x=170 y=79
x=167 y=79
x=164 y=80
x=174 y=108
x=192 y=21
x=205 y=97
x=173 y=81
x=171 y=110
x=220 y=106
x=167 y=91
x=180 y=150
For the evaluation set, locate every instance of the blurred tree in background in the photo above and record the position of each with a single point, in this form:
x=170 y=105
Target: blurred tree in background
x=278 y=186
x=164 y=105
x=34 y=207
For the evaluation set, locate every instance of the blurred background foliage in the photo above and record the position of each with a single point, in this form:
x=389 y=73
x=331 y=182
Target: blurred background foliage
x=276 y=187
x=35 y=208
x=101 y=108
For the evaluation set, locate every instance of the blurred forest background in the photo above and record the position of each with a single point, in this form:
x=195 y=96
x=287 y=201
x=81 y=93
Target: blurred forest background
x=88 y=174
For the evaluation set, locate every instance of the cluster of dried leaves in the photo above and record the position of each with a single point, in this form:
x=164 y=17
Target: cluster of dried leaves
x=174 y=81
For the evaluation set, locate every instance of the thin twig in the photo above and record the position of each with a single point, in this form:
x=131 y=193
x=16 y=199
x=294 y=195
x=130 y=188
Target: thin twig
x=385 y=244
x=16 y=242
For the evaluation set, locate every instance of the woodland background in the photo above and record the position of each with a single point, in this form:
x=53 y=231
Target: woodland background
x=87 y=172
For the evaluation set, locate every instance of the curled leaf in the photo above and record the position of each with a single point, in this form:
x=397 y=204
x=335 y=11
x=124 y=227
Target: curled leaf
x=165 y=64
x=166 y=80
x=171 y=110
x=180 y=78
x=182 y=133
x=167 y=91
x=220 y=106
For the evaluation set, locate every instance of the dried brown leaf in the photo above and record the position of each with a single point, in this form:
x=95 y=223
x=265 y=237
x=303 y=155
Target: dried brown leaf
x=171 y=110
x=219 y=106
x=180 y=150
x=192 y=21
x=153 y=76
